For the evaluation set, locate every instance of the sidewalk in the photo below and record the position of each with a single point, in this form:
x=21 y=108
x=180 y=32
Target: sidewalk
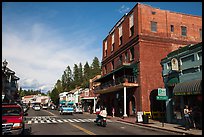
x=158 y=125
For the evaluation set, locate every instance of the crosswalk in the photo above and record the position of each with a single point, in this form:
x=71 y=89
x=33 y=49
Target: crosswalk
x=52 y=120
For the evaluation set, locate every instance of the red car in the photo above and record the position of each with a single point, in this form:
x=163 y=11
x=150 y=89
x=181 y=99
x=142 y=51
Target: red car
x=12 y=119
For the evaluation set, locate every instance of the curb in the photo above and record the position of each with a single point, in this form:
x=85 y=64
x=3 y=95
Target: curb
x=140 y=124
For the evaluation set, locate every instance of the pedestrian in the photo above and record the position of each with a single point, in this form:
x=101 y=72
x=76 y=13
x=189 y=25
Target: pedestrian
x=187 y=112
x=113 y=112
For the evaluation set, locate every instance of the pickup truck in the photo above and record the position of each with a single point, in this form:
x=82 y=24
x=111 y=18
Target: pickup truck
x=13 y=121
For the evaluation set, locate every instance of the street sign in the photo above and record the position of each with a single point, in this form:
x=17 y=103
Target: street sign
x=161 y=92
x=162 y=97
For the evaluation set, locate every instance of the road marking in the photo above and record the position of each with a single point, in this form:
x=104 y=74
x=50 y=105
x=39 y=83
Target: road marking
x=83 y=129
x=70 y=120
x=81 y=120
x=76 y=120
x=48 y=121
x=65 y=120
x=59 y=120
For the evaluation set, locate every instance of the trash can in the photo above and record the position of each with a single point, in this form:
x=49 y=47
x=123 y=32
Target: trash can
x=145 y=119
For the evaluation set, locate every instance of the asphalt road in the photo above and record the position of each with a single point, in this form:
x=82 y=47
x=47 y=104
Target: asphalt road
x=50 y=122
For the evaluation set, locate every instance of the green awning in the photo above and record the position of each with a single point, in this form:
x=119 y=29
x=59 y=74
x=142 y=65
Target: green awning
x=188 y=88
x=172 y=81
x=63 y=102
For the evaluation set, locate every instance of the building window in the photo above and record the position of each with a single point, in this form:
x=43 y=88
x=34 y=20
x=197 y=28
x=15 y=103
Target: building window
x=172 y=28
x=131 y=25
x=199 y=56
x=183 y=31
x=112 y=65
x=188 y=59
x=132 y=54
x=105 y=69
x=120 y=35
x=168 y=65
x=126 y=57
x=153 y=26
x=113 y=43
x=86 y=93
x=153 y=12
x=105 y=54
x=200 y=33
x=120 y=59
x=191 y=70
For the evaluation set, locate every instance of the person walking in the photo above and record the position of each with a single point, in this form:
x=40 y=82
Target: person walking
x=187 y=112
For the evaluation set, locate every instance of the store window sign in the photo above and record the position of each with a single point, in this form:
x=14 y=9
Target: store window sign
x=161 y=92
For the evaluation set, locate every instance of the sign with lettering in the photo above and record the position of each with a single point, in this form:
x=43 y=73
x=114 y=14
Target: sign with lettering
x=161 y=92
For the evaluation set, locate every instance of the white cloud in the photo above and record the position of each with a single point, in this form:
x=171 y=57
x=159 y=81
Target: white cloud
x=39 y=54
x=123 y=9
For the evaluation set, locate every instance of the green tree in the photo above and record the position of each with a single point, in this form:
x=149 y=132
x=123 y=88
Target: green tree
x=80 y=73
x=76 y=75
x=54 y=95
x=95 y=67
x=86 y=75
x=58 y=86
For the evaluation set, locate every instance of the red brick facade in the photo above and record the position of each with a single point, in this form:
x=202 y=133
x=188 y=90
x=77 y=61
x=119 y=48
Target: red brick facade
x=150 y=47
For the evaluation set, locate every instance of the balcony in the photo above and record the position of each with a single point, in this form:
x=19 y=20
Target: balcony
x=117 y=84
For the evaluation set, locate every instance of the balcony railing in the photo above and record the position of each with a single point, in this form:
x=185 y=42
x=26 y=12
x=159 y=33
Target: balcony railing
x=117 y=81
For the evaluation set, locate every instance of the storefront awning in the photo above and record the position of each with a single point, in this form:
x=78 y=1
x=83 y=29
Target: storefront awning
x=188 y=88
x=172 y=81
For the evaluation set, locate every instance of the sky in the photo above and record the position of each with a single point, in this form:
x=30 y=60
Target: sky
x=40 y=39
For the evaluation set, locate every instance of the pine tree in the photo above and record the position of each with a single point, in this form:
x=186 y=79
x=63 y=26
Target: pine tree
x=76 y=75
x=80 y=73
x=86 y=75
x=95 y=66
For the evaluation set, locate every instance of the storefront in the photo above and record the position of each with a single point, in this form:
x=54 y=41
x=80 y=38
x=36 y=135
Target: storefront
x=188 y=93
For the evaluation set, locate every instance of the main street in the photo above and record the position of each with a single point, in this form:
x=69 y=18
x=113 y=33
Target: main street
x=50 y=122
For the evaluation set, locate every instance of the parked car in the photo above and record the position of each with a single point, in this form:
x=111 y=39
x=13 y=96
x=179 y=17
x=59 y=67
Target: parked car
x=25 y=107
x=78 y=109
x=36 y=107
x=45 y=106
x=13 y=121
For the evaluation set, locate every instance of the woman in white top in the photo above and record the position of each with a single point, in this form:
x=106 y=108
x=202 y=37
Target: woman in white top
x=187 y=112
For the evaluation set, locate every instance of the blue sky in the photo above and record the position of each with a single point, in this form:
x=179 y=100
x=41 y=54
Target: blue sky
x=40 y=39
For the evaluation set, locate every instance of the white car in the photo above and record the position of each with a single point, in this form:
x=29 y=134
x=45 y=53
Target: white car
x=44 y=107
x=36 y=107
x=78 y=109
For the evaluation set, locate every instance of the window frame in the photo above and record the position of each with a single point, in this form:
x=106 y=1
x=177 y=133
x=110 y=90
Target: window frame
x=183 y=31
x=153 y=26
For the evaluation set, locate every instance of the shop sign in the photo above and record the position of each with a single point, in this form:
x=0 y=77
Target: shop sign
x=161 y=92
x=139 y=116
x=162 y=97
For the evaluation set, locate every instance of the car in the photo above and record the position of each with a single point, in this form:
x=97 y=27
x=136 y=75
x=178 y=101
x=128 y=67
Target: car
x=13 y=121
x=36 y=107
x=78 y=109
x=67 y=109
x=44 y=106
x=25 y=107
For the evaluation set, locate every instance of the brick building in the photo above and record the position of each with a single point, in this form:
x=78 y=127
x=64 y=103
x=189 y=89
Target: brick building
x=132 y=52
